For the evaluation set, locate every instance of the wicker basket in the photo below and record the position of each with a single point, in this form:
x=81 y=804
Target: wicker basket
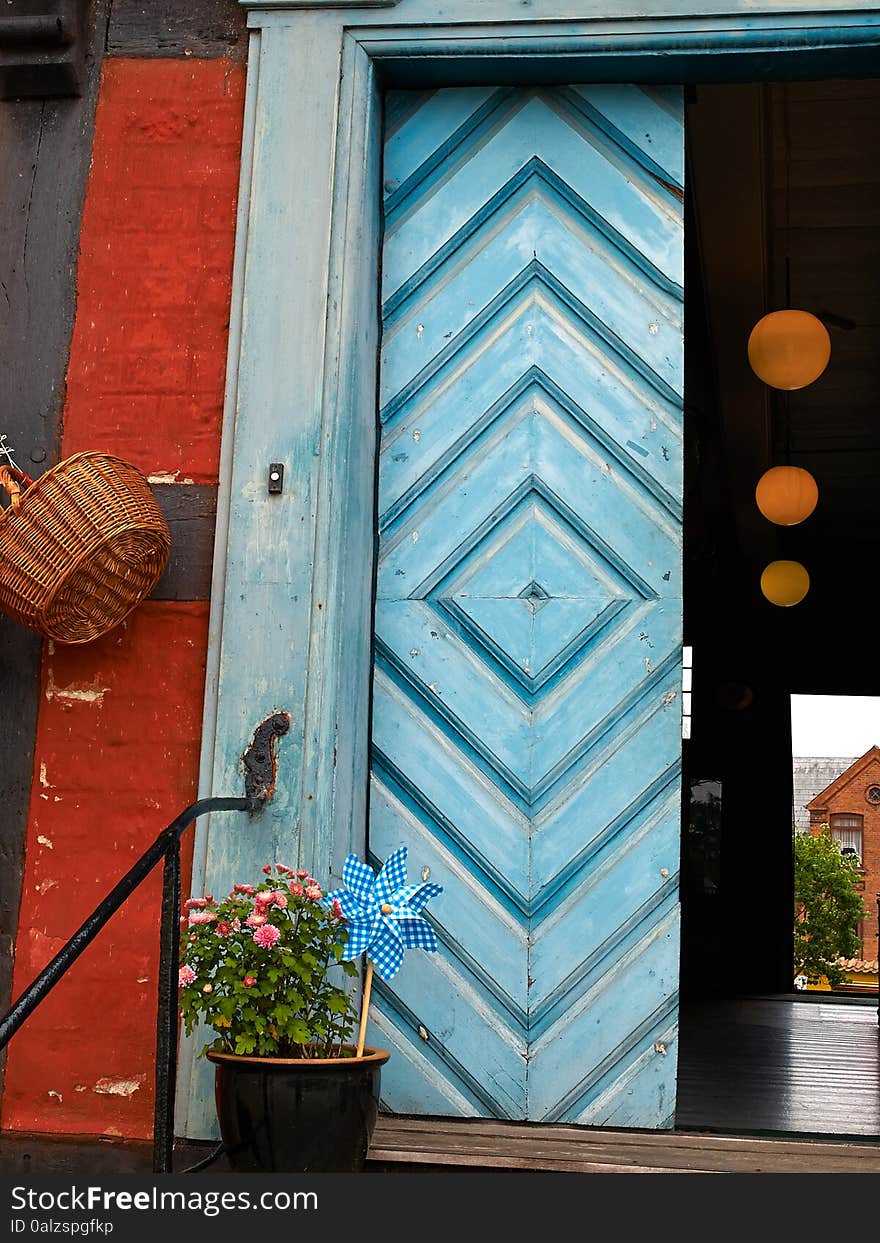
x=80 y=548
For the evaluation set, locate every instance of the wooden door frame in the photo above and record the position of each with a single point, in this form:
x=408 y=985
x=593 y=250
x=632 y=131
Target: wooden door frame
x=292 y=597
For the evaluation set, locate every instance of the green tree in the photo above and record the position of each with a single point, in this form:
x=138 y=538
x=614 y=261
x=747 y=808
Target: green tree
x=827 y=907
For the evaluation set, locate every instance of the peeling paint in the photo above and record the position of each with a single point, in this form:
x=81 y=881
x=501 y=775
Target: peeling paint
x=57 y=1095
x=117 y=1087
x=91 y=693
x=44 y=841
x=169 y=477
x=44 y=780
x=45 y=885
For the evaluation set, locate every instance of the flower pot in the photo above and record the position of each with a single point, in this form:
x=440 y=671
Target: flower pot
x=297 y=1115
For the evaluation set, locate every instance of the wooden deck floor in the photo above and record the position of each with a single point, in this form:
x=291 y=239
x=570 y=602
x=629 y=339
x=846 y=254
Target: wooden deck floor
x=444 y=1143
x=781 y=1066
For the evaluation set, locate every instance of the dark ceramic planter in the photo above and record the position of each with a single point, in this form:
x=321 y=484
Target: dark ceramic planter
x=297 y=1115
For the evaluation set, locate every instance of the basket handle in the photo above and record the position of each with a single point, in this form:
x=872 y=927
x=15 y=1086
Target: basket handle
x=12 y=486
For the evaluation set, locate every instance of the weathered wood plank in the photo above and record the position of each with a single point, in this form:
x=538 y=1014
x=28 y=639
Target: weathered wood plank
x=190 y=511
x=399 y=1127
x=43 y=49
x=39 y=236
x=200 y=28
x=487 y=1145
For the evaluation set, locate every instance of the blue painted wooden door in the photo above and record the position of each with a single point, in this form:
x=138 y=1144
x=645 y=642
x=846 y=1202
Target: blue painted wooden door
x=526 y=720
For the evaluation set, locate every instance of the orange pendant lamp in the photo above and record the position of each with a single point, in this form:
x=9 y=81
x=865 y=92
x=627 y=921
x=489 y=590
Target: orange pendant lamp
x=785 y=583
x=789 y=349
x=786 y=495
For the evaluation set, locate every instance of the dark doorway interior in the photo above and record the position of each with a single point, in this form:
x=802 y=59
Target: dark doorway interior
x=784 y=189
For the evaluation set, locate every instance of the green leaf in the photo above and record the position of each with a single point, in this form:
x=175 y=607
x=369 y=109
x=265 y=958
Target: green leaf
x=300 y=1032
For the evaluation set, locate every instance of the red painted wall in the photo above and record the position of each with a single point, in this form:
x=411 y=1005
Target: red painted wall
x=149 y=343
x=118 y=734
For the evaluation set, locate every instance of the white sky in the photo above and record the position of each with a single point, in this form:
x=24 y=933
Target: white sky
x=834 y=724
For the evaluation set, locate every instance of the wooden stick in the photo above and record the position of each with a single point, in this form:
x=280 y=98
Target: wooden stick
x=365 y=1007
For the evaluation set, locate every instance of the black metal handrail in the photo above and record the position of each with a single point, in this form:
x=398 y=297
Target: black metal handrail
x=259 y=765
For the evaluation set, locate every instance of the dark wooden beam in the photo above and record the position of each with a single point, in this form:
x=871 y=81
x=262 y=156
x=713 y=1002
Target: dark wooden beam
x=199 y=28
x=190 y=510
x=42 y=48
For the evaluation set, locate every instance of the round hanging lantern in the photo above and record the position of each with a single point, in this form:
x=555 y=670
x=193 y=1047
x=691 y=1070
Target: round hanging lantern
x=789 y=349
x=786 y=495
x=785 y=583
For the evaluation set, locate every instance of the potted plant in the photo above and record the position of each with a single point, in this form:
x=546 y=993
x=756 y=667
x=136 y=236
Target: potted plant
x=262 y=968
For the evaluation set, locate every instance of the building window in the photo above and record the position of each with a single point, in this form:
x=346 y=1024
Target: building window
x=847 y=830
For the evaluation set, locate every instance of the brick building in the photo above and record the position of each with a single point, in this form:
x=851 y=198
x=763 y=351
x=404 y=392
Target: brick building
x=850 y=806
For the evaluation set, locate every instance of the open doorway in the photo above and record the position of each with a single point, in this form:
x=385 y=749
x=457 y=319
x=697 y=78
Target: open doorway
x=784 y=209
x=836 y=821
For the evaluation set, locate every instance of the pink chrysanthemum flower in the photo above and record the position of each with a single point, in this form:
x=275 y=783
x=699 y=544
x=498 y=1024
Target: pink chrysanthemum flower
x=267 y=936
x=315 y=892
x=249 y=981
x=236 y=924
x=224 y=928
x=255 y=920
x=283 y=870
x=195 y=904
x=302 y=874
x=296 y=890
x=336 y=909
x=243 y=889
x=264 y=897
x=201 y=917
x=279 y=900
x=267 y=869
x=185 y=976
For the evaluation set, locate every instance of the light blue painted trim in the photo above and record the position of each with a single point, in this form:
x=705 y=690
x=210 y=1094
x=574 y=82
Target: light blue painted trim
x=497 y=20
x=292 y=628
x=336 y=762
x=189 y=1048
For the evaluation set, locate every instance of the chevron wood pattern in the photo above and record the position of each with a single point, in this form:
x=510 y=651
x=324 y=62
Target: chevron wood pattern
x=526 y=719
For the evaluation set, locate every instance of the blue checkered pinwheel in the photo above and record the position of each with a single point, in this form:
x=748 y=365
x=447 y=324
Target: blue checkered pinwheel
x=383 y=913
